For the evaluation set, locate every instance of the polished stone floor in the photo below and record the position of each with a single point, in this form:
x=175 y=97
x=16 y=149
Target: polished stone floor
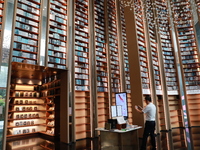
x=176 y=139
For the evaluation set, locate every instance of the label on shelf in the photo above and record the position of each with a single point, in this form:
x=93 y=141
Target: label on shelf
x=172 y=93
x=159 y=92
x=146 y=91
x=193 y=91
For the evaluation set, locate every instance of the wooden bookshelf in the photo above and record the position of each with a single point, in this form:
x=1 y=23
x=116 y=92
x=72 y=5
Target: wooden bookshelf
x=101 y=63
x=188 y=49
x=103 y=108
x=141 y=42
x=33 y=104
x=26 y=33
x=135 y=43
x=82 y=91
x=195 y=132
x=57 y=37
x=161 y=113
x=178 y=138
x=176 y=113
x=130 y=111
x=164 y=141
x=187 y=45
x=113 y=46
x=153 y=46
x=167 y=47
x=193 y=103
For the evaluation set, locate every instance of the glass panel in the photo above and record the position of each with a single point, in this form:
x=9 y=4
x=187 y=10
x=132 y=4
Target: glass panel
x=3 y=83
x=4 y=64
x=43 y=34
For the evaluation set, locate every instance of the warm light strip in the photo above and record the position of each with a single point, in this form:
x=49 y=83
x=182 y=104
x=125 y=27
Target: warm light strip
x=24 y=87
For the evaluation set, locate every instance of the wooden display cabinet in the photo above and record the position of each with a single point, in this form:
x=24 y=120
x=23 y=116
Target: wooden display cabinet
x=34 y=105
x=27 y=112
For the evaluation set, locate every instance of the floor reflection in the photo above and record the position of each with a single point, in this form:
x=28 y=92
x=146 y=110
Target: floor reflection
x=176 y=139
x=38 y=143
x=33 y=143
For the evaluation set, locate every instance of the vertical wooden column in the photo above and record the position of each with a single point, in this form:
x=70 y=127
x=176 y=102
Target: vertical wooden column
x=108 y=54
x=93 y=73
x=135 y=80
x=65 y=132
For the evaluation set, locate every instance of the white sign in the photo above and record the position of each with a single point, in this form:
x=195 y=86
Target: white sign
x=159 y=92
x=172 y=92
x=120 y=120
x=146 y=91
x=193 y=91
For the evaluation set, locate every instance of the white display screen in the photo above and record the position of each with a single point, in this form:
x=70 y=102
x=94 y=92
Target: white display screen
x=113 y=111
x=121 y=99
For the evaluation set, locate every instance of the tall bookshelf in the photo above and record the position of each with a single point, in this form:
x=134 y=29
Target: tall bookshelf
x=101 y=62
x=189 y=56
x=141 y=43
x=82 y=91
x=57 y=37
x=174 y=102
x=113 y=47
x=195 y=137
x=138 y=45
x=153 y=48
x=178 y=138
x=26 y=32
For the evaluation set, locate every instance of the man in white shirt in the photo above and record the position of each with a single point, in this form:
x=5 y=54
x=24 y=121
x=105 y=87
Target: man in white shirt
x=150 y=112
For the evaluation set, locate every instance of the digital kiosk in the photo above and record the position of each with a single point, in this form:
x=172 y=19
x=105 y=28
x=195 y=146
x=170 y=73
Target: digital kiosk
x=119 y=135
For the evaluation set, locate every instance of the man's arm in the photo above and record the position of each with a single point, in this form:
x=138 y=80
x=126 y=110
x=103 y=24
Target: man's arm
x=139 y=108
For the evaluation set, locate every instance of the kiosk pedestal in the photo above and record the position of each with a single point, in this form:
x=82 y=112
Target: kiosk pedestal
x=126 y=139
